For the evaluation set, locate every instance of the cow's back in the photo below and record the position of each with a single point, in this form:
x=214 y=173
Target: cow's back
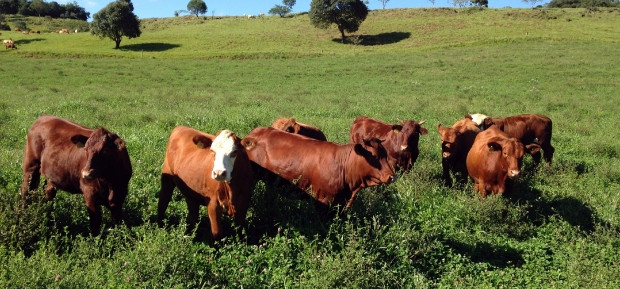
x=365 y=127
x=49 y=145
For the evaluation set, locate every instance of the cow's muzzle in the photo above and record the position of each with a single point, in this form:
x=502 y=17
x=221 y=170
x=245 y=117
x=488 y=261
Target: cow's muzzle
x=220 y=175
x=513 y=173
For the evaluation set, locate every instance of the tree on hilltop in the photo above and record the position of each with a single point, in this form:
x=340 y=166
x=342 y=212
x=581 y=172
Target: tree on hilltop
x=348 y=15
x=197 y=7
x=115 y=21
x=282 y=10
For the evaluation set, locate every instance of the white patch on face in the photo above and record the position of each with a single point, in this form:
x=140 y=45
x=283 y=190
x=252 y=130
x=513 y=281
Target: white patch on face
x=478 y=118
x=223 y=146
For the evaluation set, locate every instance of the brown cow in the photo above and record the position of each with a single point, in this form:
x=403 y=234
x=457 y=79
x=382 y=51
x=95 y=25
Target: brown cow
x=208 y=170
x=528 y=129
x=493 y=159
x=456 y=141
x=400 y=140
x=292 y=126
x=79 y=160
x=9 y=44
x=329 y=172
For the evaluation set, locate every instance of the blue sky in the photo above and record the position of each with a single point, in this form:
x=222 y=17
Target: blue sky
x=166 y=8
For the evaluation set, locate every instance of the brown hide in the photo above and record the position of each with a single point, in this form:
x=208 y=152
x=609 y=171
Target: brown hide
x=329 y=172
x=78 y=160
x=188 y=165
x=400 y=140
x=292 y=126
x=494 y=158
x=528 y=129
x=456 y=141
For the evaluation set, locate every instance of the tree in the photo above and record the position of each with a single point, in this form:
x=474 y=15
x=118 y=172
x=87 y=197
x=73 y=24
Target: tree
x=39 y=7
x=115 y=21
x=197 y=7
x=282 y=10
x=348 y=15
x=532 y=2
x=383 y=2
x=484 y=3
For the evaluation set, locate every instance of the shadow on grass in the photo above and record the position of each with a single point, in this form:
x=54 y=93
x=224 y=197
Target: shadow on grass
x=497 y=256
x=27 y=41
x=372 y=40
x=150 y=47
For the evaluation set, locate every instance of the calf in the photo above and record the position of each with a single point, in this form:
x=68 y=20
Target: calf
x=292 y=126
x=400 y=140
x=329 y=172
x=528 y=129
x=456 y=141
x=79 y=160
x=208 y=170
x=493 y=159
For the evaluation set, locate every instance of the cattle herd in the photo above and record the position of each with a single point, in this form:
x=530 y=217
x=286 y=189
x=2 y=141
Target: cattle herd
x=219 y=171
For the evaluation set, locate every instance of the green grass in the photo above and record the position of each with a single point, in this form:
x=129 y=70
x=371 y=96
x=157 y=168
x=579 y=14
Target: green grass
x=560 y=229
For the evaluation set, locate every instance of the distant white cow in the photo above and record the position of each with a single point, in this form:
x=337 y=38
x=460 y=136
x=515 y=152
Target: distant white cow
x=251 y=16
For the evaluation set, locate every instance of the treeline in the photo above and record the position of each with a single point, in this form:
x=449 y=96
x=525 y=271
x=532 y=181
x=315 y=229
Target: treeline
x=40 y=8
x=583 y=3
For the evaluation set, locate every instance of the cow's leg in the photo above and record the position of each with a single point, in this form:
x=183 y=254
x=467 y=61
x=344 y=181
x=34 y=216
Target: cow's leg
x=446 y=173
x=116 y=198
x=192 y=213
x=32 y=176
x=165 y=195
x=548 y=153
x=536 y=157
x=215 y=211
x=50 y=191
x=94 y=212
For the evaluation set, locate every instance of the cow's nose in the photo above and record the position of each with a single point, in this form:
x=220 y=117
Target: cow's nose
x=218 y=175
x=445 y=155
x=514 y=173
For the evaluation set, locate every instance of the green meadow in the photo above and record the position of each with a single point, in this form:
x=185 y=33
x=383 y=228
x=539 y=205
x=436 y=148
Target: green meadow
x=560 y=228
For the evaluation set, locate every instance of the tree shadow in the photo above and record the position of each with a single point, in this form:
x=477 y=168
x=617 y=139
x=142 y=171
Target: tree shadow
x=150 y=47
x=372 y=40
x=482 y=252
x=27 y=41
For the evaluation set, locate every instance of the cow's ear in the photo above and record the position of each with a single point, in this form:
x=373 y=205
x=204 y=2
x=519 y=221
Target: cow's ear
x=487 y=122
x=360 y=150
x=423 y=131
x=532 y=148
x=494 y=146
x=248 y=143
x=202 y=141
x=120 y=144
x=469 y=116
x=397 y=128
x=79 y=140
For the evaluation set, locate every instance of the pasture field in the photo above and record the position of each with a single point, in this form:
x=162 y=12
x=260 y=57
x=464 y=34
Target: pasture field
x=559 y=229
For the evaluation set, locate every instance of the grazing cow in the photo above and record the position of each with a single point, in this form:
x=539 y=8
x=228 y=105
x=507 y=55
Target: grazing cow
x=400 y=140
x=528 y=129
x=292 y=126
x=79 y=160
x=329 y=172
x=495 y=158
x=456 y=141
x=208 y=170
x=9 y=44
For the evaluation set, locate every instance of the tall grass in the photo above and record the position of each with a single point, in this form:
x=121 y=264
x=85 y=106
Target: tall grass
x=559 y=229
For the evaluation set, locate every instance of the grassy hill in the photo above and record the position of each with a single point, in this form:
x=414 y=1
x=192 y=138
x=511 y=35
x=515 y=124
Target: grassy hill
x=384 y=31
x=559 y=229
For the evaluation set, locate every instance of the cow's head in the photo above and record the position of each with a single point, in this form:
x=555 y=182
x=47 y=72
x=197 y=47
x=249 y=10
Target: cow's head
x=376 y=157
x=288 y=125
x=479 y=119
x=225 y=146
x=510 y=152
x=103 y=151
x=408 y=134
x=448 y=141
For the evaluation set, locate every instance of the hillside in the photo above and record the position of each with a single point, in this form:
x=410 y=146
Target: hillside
x=389 y=30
